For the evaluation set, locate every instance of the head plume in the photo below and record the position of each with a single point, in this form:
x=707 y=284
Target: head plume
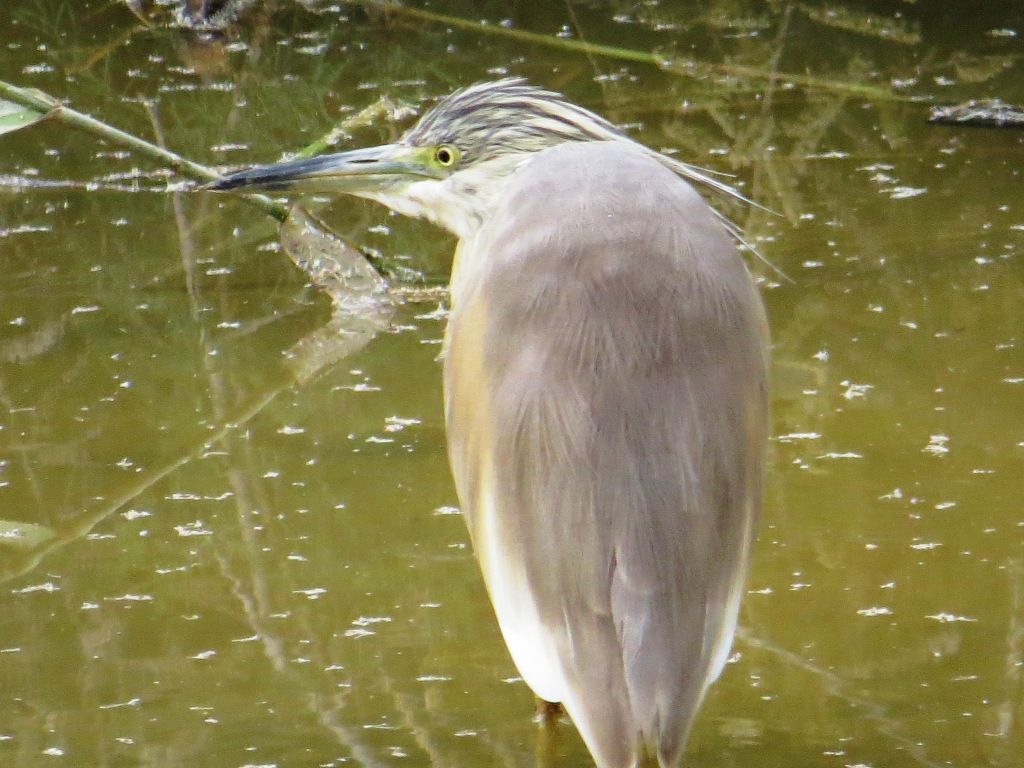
x=488 y=120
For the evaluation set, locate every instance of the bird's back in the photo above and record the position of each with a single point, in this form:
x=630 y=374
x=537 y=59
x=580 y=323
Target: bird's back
x=606 y=400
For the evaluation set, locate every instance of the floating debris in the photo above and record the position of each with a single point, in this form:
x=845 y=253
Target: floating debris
x=984 y=113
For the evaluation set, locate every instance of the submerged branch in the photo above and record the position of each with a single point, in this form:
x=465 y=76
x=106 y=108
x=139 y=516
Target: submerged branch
x=983 y=113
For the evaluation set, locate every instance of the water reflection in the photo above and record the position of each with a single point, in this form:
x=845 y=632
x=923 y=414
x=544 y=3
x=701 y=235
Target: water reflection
x=299 y=590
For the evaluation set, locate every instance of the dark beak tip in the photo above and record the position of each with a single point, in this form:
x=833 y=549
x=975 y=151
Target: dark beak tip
x=251 y=181
x=229 y=182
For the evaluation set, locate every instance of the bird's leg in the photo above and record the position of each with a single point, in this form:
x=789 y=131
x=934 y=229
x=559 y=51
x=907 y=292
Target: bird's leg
x=546 y=717
x=547 y=711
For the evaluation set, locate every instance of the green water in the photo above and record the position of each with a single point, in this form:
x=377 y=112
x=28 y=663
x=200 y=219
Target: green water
x=246 y=569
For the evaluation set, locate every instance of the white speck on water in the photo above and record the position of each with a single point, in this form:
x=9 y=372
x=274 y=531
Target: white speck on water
x=48 y=586
x=854 y=391
x=937 y=445
x=794 y=436
x=903 y=192
x=875 y=611
x=947 y=618
x=195 y=528
x=397 y=423
x=130 y=703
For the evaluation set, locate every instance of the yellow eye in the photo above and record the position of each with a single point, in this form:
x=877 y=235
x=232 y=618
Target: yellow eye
x=445 y=156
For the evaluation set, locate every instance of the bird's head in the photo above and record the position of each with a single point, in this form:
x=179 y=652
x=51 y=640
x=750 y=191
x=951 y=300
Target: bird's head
x=450 y=167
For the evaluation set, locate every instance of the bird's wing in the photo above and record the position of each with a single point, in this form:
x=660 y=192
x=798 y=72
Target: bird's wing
x=606 y=391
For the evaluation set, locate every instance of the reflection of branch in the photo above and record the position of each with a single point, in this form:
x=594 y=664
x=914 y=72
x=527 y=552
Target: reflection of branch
x=28 y=466
x=839 y=688
x=219 y=399
x=109 y=47
x=892 y=30
x=329 y=719
x=275 y=651
x=689 y=68
x=185 y=241
x=404 y=703
x=773 y=62
x=1012 y=706
x=362 y=304
x=306 y=360
x=702 y=69
x=81 y=526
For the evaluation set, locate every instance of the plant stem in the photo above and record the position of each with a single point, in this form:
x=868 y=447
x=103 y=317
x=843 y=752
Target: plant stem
x=55 y=110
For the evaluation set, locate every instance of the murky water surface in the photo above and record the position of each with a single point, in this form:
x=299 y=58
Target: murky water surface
x=209 y=561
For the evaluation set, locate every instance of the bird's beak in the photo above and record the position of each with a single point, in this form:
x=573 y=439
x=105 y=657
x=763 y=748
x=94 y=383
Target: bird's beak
x=372 y=169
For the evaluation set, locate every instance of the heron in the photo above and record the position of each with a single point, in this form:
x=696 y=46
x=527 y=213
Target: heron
x=606 y=396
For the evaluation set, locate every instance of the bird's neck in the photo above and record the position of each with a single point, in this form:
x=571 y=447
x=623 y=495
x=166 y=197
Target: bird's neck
x=463 y=202
x=465 y=262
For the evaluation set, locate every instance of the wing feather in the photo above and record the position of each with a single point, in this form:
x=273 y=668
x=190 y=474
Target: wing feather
x=607 y=413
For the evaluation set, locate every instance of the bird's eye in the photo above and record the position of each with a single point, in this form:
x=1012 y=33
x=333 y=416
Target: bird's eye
x=445 y=156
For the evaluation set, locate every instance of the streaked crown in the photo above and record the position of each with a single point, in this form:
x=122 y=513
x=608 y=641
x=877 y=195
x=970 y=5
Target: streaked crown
x=488 y=120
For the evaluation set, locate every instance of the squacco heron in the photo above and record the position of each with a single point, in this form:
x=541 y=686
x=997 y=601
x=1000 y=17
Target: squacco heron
x=606 y=397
